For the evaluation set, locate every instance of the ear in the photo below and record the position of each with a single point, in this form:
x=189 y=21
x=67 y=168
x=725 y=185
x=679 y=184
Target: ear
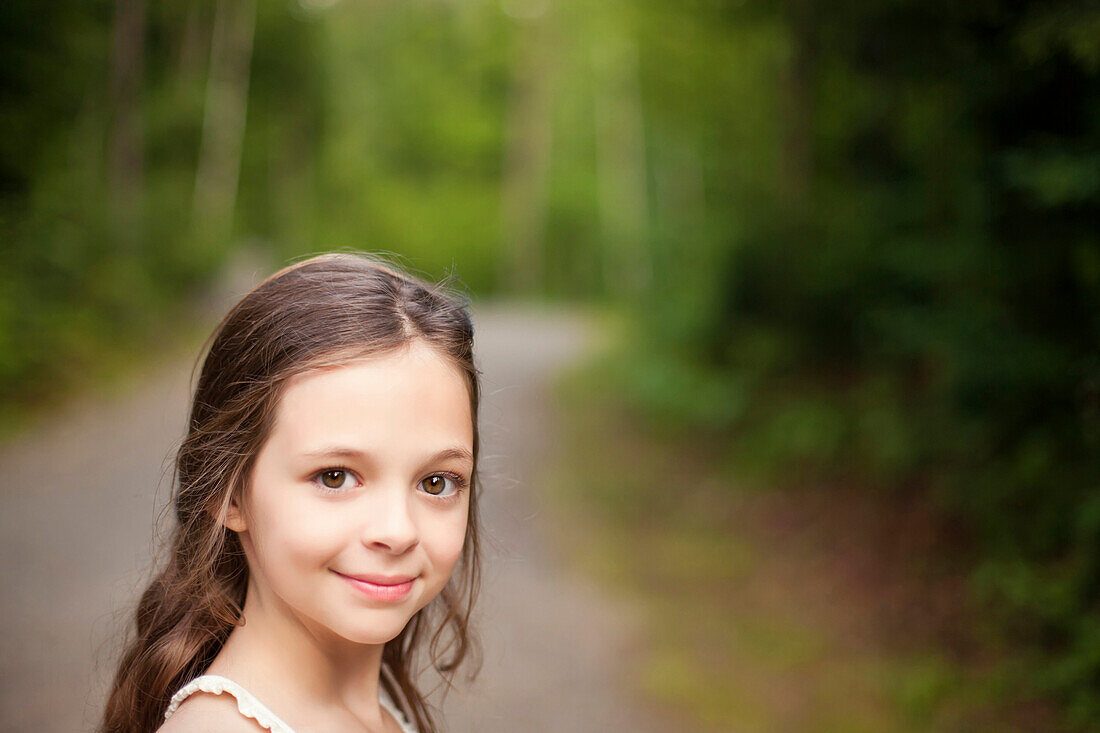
x=234 y=517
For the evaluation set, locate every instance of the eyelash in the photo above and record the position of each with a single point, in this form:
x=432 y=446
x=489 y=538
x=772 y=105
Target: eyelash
x=460 y=482
x=460 y=485
x=333 y=469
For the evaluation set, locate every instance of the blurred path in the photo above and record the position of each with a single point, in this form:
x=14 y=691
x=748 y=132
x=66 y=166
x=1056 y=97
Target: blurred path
x=76 y=531
x=77 y=507
x=553 y=645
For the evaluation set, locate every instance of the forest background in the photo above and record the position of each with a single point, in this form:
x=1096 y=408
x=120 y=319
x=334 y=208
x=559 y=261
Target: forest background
x=848 y=245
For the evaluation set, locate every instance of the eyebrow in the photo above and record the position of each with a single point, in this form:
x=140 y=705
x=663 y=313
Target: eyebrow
x=338 y=451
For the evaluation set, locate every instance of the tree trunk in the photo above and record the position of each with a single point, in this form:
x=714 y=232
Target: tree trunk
x=224 y=121
x=527 y=157
x=798 y=153
x=621 y=169
x=124 y=141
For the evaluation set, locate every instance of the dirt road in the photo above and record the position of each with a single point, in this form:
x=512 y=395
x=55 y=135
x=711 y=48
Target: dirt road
x=79 y=495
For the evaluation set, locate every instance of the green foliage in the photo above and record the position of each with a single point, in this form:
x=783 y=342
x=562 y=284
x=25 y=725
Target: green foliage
x=915 y=299
x=373 y=127
x=857 y=238
x=410 y=159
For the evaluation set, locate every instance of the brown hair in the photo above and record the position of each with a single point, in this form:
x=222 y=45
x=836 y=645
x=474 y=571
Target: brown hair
x=322 y=311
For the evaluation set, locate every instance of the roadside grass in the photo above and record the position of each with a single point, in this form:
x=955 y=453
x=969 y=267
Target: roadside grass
x=793 y=608
x=108 y=368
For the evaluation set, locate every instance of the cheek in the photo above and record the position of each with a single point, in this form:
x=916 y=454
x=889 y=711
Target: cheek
x=290 y=537
x=446 y=540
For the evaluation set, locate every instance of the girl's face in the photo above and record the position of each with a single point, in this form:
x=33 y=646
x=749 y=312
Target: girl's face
x=356 y=512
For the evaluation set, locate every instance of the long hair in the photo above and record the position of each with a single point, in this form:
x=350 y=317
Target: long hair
x=319 y=312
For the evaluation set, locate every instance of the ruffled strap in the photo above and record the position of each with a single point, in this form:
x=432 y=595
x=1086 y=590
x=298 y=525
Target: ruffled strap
x=248 y=705
x=252 y=708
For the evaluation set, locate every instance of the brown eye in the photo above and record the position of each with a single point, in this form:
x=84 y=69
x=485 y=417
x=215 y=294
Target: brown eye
x=334 y=478
x=435 y=485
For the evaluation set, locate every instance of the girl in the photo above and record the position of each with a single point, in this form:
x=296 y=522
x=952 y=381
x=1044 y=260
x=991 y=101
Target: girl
x=324 y=493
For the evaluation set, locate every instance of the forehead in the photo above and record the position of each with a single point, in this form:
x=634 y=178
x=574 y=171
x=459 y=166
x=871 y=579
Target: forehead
x=412 y=392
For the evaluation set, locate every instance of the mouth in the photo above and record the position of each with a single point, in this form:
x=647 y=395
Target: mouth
x=386 y=588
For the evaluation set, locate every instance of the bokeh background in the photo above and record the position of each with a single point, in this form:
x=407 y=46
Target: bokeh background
x=834 y=443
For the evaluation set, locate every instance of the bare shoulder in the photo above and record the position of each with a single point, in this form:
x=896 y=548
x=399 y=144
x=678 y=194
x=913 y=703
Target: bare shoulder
x=203 y=712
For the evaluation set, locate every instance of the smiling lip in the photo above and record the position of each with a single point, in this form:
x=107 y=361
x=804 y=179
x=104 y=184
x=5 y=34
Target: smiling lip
x=389 y=588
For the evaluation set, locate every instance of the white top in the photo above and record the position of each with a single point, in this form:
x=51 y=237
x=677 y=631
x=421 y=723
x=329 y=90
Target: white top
x=250 y=707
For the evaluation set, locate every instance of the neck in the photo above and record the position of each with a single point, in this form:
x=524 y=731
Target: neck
x=280 y=656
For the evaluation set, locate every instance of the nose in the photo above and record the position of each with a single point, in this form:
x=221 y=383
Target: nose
x=389 y=525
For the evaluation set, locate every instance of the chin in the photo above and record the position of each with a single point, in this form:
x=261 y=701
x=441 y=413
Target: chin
x=375 y=631
x=374 y=637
